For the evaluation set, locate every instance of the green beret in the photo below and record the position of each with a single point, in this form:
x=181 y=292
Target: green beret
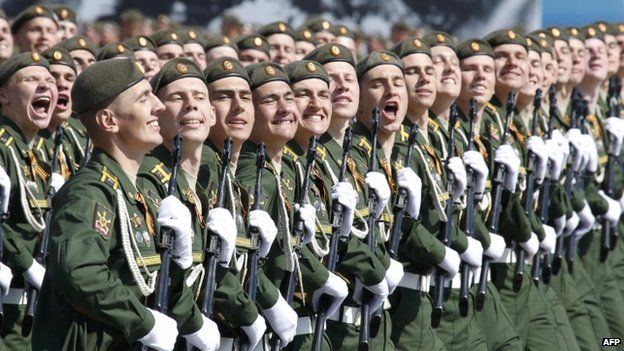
x=331 y=53
x=543 y=40
x=165 y=37
x=277 y=28
x=64 y=13
x=225 y=67
x=532 y=44
x=575 y=33
x=619 y=28
x=305 y=69
x=318 y=25
x=103 y=81
x=79 y=42
x=439 y=39
x=19 y=61
x=265 y=72
x=29 y=13
x=377 y=58
x=113 y=50
x=474 y=47
x=254 y=42
x=558 y=33
x=190 y=36
x=411 y=45
x=305 y=34
x=505 y=36
x=341 y=30
x=57 y=55
x=605 y=28
x=174 y=69
x=592 y=32
x=140 y=42
x=218 y=40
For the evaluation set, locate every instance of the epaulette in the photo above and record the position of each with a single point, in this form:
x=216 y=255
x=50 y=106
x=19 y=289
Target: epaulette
x=490 y=107
x=5 y=138
x=403 y=133
x=108 y=178
x=321 y=152
x=161 y=172
x=39 y=142
x=457 y=124
x=288 y=151
x=365 y=144
x=434 y=125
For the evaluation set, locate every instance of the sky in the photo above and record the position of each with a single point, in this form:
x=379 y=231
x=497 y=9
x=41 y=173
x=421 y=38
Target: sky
x=580 y=12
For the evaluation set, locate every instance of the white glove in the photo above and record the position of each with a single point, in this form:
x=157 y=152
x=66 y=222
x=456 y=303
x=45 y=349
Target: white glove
x=266 y=228
x=335 y=288
x=378 y=183
x=5 y=278
x=220 y=222
x=530 y=246
x=450 y=263
x=344 y=193
x=163 y=334
x=456 y=166
x=34 y=275
x=255 y=331
x=560 y=223
x=394 y=274
x=550 y=239
x=475 y=161
x=589 y=146
x=586 y=221
x=56 y=181
x=574 y=139
x=536 y=145
x=283 y=320
x=473 y=254
x=556 y=158
x=562 y=142
x=614 y=211
x=496 y=248
x=5 y=190
x=505 y=155
x=615 y=127
x=173 y=214
x=207 y=338
x=379 y=293
x=307 y=213
x=621 y=201
x=410 y=181
x=573 y=222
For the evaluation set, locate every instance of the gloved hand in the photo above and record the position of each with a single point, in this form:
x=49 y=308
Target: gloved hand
x=254 y=332
x=559 y=224
x=473 y=254
x=573 y=136
x=378 y=183
x=621 y=201
x=562 y=142
x=34 y=275
x=307 y=213
x=505 y=155
x=586 y=221
x=266 y=228
x=573 y=222
x=173 y=214
x=5 y=278
x=207 y=338
x=615 y=129
x=283 y=320
x=5 y=190
x=456 y=166
x=56 y=181
x=394 y=274
x=450 y=262
x=530 y=246
x=550 y=239
x=614 y=211
x=496 y=248
x=344 y=193
x=410 y=181
x=163 y=334
x=220 y=222
x=536 y=145
x=589 y=146
x=556 y=158
x=335 y=288
x=379 y=293
x=475 y=161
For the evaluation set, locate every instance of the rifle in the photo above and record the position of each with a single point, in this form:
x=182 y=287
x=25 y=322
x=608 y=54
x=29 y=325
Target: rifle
x=608 y=230
x=212 y=247
x=332 y=258
x=469 y=213
x=298 y=228
x=87 y=153
x=571 y=175
x=32 y=293
x=545 y=192
x=365 y=326
x=528 y=200
x=447 y=227
x=497 y=191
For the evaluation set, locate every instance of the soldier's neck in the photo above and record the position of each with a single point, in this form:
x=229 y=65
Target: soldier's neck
x=502 y=95
x=464 y=107
x=386 y=141
x=442 y=105
x=190 y=160
x=419 y=116
x=54 y=124
x=523 y=101
x=129 y=163
x=274 y=154
x=589 y=90
x=338 y=127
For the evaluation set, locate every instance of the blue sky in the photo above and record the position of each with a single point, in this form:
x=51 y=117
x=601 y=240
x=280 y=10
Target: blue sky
x=580 y=12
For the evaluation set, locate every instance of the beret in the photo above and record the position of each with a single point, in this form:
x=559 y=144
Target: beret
x=79 y=42
x=189 y=36
x=165 y=37
x=341 y=30
x=619 y=28
x=318 y=25
x=605 y=28
x=225 y=67
x=174 y=69
x=331 y=53
x=64 y=13
x=19 y=61
x=411 y=45
x=533 y=44
x=140 y=42
x=305 y=34
x=216 y=41
x=103 y=81
x=113 y=50
x=592 y=32
x=254 y=42
x=438 y=38
x=265 y=72
x=474 y=47
x=377 y=58
x=277 y=28
x=558 y=33
x=305 y=69
x=505 y=36
x=575 y=33
x=29 y=13
x=57 y=55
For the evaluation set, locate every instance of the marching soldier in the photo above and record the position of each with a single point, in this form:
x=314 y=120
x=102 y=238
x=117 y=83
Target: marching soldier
x=81 y=49
x=281 y=39
x=145 y=52
x=35 y=28
x=253 y=48
x=219 y=46
x=168 y=45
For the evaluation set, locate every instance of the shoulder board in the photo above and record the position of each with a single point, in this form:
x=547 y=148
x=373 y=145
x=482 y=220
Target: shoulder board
x=490 y=107
x=5 y=138
x=404 y=133
x=40 y=142
x=161 y=172
x=434 y=125
x=288 y=151
x=321 y=152
x=109 y=178
x=365 y=144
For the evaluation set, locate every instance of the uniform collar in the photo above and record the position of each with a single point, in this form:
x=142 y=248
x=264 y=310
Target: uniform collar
x=114 y=175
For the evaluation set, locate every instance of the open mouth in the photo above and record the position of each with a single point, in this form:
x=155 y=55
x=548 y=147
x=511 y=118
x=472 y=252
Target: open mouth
x=391 y=109
x=62 y=102
x=41 y=105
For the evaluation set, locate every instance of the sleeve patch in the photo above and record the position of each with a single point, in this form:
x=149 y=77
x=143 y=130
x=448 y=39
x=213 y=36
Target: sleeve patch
x=102 y=220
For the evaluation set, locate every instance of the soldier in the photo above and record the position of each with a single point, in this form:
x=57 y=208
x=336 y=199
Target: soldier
x=115 y=50
x=34 y=29
x=219 y=46
x=67 y=26
x=281 y=38
x=193 y=47
x=253 y=49
x=168 y=45
x=81 y=49
x=6 y=39
x=345 y=37
x=321 y=29
x=103 y=302
x=145 y=52
x=304 y=43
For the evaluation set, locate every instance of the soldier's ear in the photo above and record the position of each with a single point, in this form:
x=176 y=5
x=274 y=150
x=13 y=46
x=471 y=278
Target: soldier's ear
x=107 y=121
x=4 y=99
x=212 y=119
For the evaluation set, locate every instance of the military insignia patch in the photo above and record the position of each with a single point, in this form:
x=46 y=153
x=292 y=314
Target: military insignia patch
x=154 y=198
x=417 y=43
x=281 y=27
x=591 y=31
x=120 y=49
x=39 y=10
x=384 y=57
x=228 y=65
x=573 y=31
x=269 y=71
x=257 y=41
x=82 y=43
x=311 y=67
x=35 y=57
x=226 y=40
x=602 y=27
x=136 y=221
x=192 y=34
x=440 y=38
x=180 y=67
x=511 y=34
x=343 y=30
x=173 y=36
x=102 y=220
x=335 y=51
x=494 y=132
x=555 y=32
x=325 y=25
x=64 y=14
x=57 y=55
x=307 y=34
x=142 y=41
